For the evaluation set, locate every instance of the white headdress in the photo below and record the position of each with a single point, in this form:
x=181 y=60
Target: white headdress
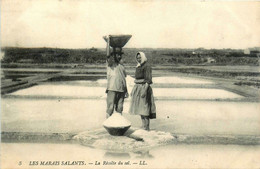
x=143 y=58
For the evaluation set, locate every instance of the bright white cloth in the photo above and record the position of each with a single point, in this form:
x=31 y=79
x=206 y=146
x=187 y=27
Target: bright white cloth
x=143 y=58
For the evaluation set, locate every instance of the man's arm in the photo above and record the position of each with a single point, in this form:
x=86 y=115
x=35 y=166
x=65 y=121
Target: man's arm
x=109 y=59
x=108 y=47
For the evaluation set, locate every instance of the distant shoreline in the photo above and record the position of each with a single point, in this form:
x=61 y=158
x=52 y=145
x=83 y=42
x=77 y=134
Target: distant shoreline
x=199 y=56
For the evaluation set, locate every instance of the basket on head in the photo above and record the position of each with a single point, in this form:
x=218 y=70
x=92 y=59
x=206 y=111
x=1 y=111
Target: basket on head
x=118 y=41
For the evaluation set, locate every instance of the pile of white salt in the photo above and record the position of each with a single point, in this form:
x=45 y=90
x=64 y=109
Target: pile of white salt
x=116 y=120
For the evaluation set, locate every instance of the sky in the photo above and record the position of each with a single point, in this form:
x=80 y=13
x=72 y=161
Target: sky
x=152 y=23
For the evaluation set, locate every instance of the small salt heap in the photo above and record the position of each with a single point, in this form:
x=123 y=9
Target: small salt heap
x=116 y=124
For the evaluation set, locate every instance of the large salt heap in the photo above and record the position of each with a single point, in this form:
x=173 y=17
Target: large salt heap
x=116 y=124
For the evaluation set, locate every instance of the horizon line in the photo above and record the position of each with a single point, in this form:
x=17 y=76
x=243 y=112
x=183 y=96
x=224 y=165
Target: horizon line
x=2 y=47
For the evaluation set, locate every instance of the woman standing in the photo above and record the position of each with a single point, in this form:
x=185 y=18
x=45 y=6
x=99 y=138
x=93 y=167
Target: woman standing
x=142 y=102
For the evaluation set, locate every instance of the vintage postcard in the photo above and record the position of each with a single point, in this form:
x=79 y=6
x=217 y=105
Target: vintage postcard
x=130 y=84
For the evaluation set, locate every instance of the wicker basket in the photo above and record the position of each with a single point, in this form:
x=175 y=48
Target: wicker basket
x=118 y=41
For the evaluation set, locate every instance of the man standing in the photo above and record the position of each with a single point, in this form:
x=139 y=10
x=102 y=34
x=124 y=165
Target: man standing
x=116 y=82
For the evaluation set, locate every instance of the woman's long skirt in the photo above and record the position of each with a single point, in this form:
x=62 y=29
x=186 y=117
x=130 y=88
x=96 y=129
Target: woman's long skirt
x=144 y=106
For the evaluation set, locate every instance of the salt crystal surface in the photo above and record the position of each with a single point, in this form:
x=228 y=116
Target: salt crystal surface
x=180 y=80
x=125 y=144
x=153 y=137
x=116 y=120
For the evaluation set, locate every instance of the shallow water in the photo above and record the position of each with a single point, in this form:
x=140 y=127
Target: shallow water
x=167 y=80
x=96 y=89
x=70 y=115
x=180 y=80
x=49 y=90
x=64 y=107
x=67 y=107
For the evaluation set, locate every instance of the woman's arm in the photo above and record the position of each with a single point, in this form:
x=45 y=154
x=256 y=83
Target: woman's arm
x=145 y=90
x=147 y=78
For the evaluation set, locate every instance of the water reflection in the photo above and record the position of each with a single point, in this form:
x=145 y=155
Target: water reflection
x=117 y=155
x=145 y=154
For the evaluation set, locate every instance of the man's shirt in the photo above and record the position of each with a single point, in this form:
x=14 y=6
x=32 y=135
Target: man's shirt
x=116 y=77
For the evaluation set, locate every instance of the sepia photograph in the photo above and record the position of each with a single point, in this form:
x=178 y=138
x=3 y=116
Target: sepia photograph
x=130 y=84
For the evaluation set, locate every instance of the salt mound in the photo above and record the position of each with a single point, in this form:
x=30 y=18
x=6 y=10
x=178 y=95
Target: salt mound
x=152 y=137
x=135 y=140
x=116 y=120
